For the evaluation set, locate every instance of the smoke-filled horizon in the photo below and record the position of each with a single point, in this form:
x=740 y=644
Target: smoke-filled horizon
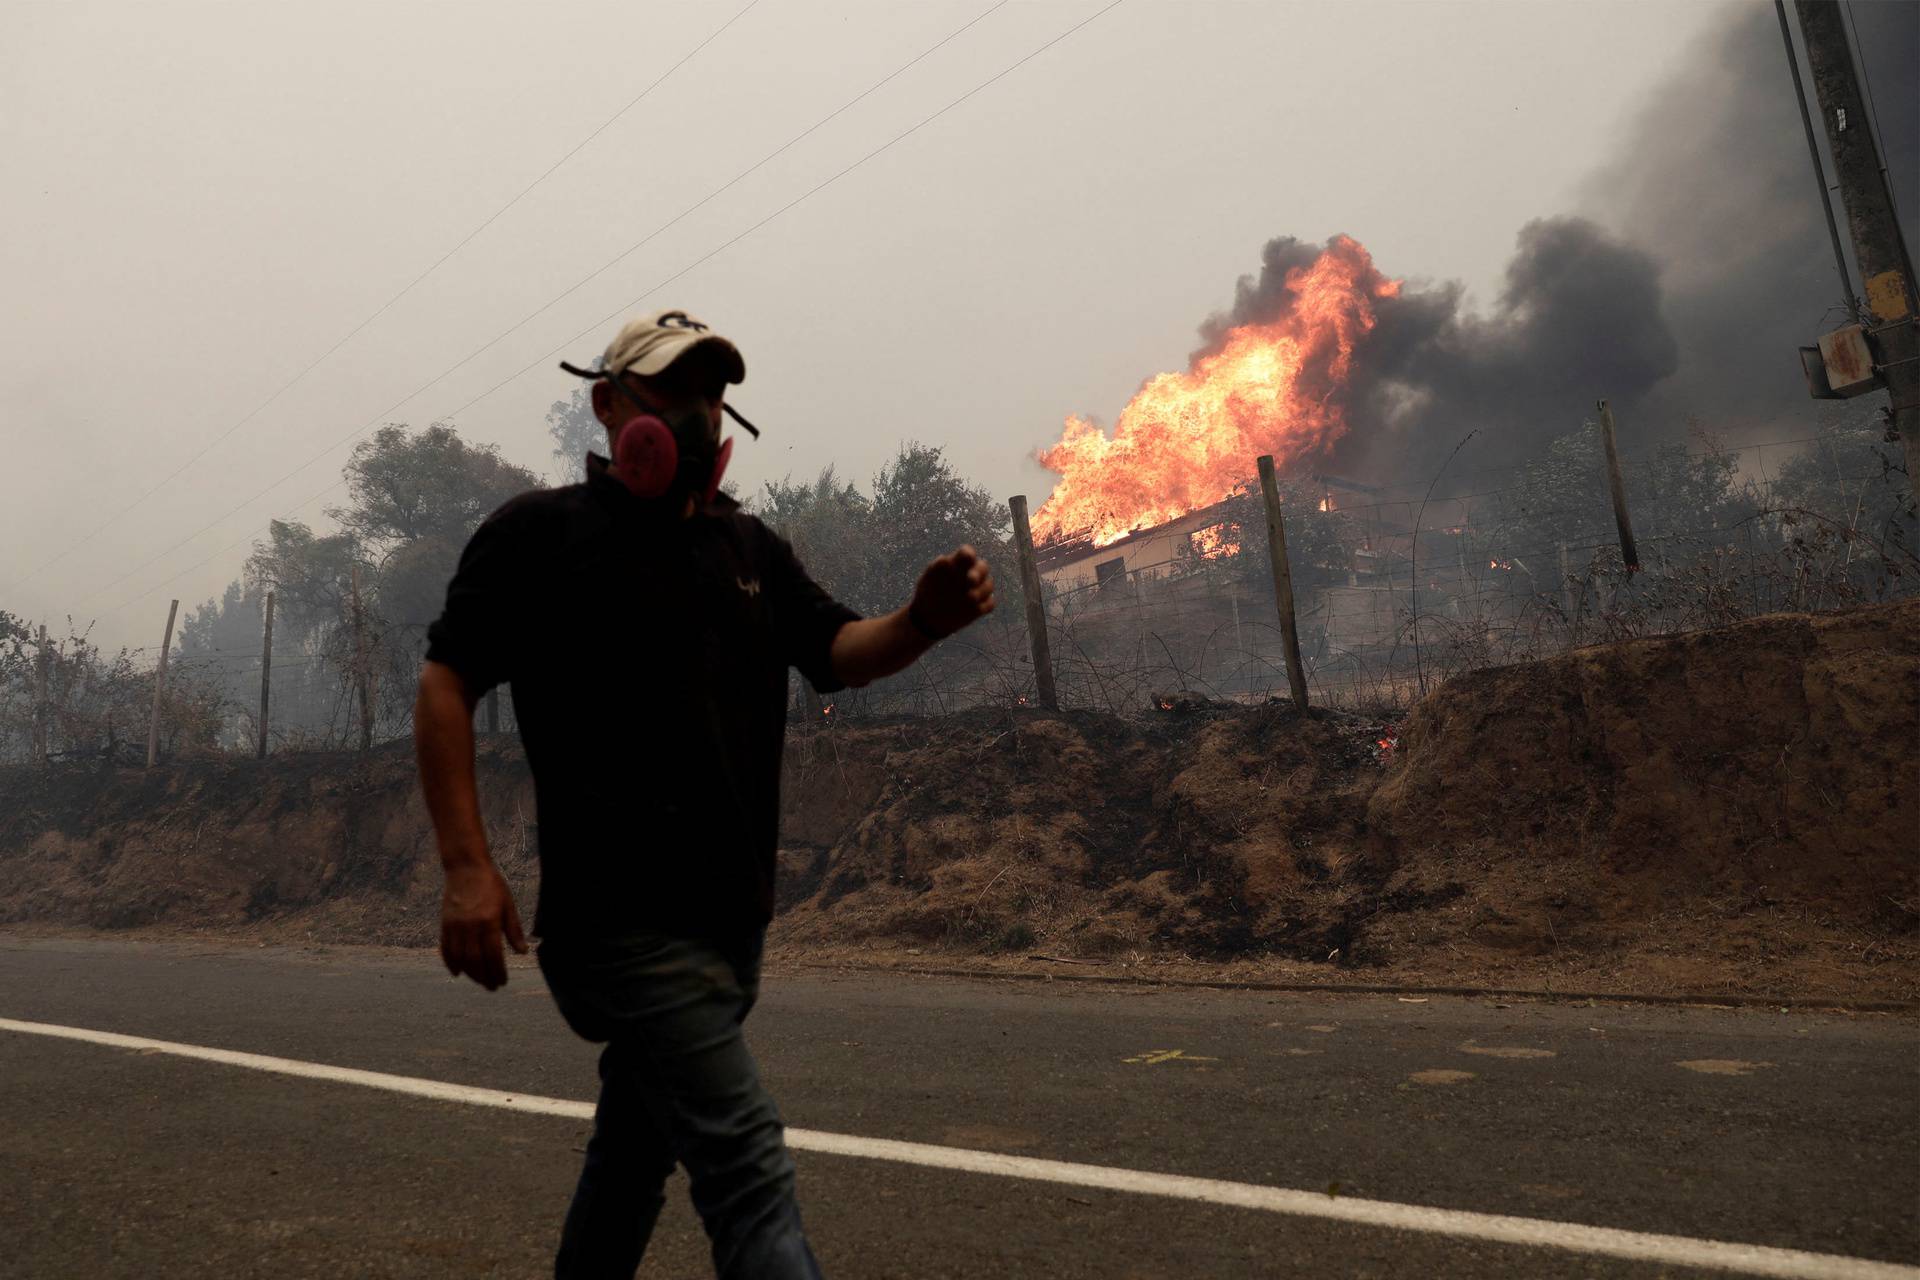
x=219 y=220
x=1695 y=263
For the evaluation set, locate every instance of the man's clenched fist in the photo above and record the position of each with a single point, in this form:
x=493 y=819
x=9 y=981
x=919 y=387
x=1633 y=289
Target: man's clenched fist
x=953 y=592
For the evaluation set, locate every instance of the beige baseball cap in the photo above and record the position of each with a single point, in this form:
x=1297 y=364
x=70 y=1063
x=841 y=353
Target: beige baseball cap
x=651 y=343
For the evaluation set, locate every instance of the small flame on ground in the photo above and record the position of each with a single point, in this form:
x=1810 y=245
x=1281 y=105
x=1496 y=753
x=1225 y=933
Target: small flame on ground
x=1187 y=440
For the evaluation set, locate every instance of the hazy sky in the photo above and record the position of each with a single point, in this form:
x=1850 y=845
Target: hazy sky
x=200 y=199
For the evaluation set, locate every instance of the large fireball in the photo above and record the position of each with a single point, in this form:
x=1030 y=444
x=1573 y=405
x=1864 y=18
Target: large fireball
x=1186 y=440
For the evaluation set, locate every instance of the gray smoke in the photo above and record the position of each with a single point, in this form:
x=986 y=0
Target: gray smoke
x=1578 y=317
x=1700 y=264
x=1714 y=181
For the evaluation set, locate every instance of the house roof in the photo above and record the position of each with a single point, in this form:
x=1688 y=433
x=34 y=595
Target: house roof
x=1058 y=555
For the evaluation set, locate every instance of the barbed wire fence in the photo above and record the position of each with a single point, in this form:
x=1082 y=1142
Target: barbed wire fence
x=1200 y=625
x=1411 y=600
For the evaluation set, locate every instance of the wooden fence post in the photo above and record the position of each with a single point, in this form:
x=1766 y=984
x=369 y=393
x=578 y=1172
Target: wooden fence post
x=493 y=710
x=40 y=728
x=1628 y=552
x=360 y=673
x=1282 y=581
x=266 y=676
x=1566 y=584
x=1036 y=605
x=160 y=688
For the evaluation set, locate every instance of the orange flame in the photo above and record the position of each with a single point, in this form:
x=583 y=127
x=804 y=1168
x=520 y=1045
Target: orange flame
x=1186 y=440
x=1216 y=543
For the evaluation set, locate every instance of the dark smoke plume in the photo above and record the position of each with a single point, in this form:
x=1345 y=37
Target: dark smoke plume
x=1713 y=179
x=1701 y=264
x=1579 y=317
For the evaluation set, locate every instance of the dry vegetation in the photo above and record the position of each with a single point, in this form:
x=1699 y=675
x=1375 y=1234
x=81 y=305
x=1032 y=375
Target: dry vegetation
x=1731 y=810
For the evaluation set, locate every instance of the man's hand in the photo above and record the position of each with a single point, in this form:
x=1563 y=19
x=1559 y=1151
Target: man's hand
x=475 y=911
x=953 y=592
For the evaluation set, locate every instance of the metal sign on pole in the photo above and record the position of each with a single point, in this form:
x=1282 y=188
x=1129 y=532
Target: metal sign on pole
x=1282 y=581
x=1892 y=302
x=160 y=688
x=1036 y=606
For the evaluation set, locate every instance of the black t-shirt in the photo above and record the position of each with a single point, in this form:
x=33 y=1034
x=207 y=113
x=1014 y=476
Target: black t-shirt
x=648 y=663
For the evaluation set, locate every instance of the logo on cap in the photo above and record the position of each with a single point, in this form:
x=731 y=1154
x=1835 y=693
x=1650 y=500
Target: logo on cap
x=680 y=320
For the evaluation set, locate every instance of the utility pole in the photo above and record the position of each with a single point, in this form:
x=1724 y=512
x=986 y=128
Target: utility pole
x=1036 y=605
x=266 y=675
x=1813 y=149
x=1885 y=270
x=160 y=688
x=1282 y=581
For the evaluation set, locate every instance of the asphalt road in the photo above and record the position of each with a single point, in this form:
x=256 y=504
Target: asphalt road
x=1794 y=1130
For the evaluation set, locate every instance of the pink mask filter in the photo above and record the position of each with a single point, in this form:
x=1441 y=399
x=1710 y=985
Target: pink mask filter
x=646 y=456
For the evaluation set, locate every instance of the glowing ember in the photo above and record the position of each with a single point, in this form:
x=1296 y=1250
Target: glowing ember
x=1216 y=543
x=1186 y=440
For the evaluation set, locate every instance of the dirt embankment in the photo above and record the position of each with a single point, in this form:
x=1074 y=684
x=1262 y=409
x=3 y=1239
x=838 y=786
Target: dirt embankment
x=1736 y=809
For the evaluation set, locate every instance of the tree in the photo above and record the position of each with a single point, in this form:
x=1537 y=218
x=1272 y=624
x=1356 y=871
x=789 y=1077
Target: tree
x=413 y=501
x=311 y=576
x=826 y=521
x=1855 y=478
x=1561 y=496
x=869 y=550
x=403 y=487
x=92 y=700
x=574 y=430
x=921 y=508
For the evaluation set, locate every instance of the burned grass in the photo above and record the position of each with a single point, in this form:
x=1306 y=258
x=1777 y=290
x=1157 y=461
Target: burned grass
x=1728 y=810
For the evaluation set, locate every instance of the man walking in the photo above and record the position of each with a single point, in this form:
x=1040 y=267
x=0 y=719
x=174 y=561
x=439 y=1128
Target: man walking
x=646 y=625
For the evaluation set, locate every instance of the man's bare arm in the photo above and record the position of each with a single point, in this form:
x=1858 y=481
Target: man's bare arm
x=476 y=909
x=953 y=592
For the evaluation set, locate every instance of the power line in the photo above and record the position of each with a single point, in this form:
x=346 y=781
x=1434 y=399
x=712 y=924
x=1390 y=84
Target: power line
x=707 y=199
x=818 y=187
x=384 y=307
x=452 y=368
x=807 y=195
x=247 y=537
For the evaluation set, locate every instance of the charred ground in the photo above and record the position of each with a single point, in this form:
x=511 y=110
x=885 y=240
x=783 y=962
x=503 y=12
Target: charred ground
x=1732 y=810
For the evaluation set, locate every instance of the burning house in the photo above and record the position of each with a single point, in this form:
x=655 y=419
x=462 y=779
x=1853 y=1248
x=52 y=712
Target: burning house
x=1076 y=564
x=1187 y=440
x=1139 y=507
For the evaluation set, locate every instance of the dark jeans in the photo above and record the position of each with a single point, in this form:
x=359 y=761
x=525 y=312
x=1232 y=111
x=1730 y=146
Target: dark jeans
x=677 y=1085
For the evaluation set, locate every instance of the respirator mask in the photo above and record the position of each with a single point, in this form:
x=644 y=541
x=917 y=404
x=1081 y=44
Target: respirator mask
x=668 y=458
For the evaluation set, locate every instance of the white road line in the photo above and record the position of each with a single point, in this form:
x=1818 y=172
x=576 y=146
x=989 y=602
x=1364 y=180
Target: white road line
x=1638 y=1246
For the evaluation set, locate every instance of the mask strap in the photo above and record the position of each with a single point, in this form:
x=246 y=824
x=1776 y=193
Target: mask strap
x=734 y=413
x=595 y=375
